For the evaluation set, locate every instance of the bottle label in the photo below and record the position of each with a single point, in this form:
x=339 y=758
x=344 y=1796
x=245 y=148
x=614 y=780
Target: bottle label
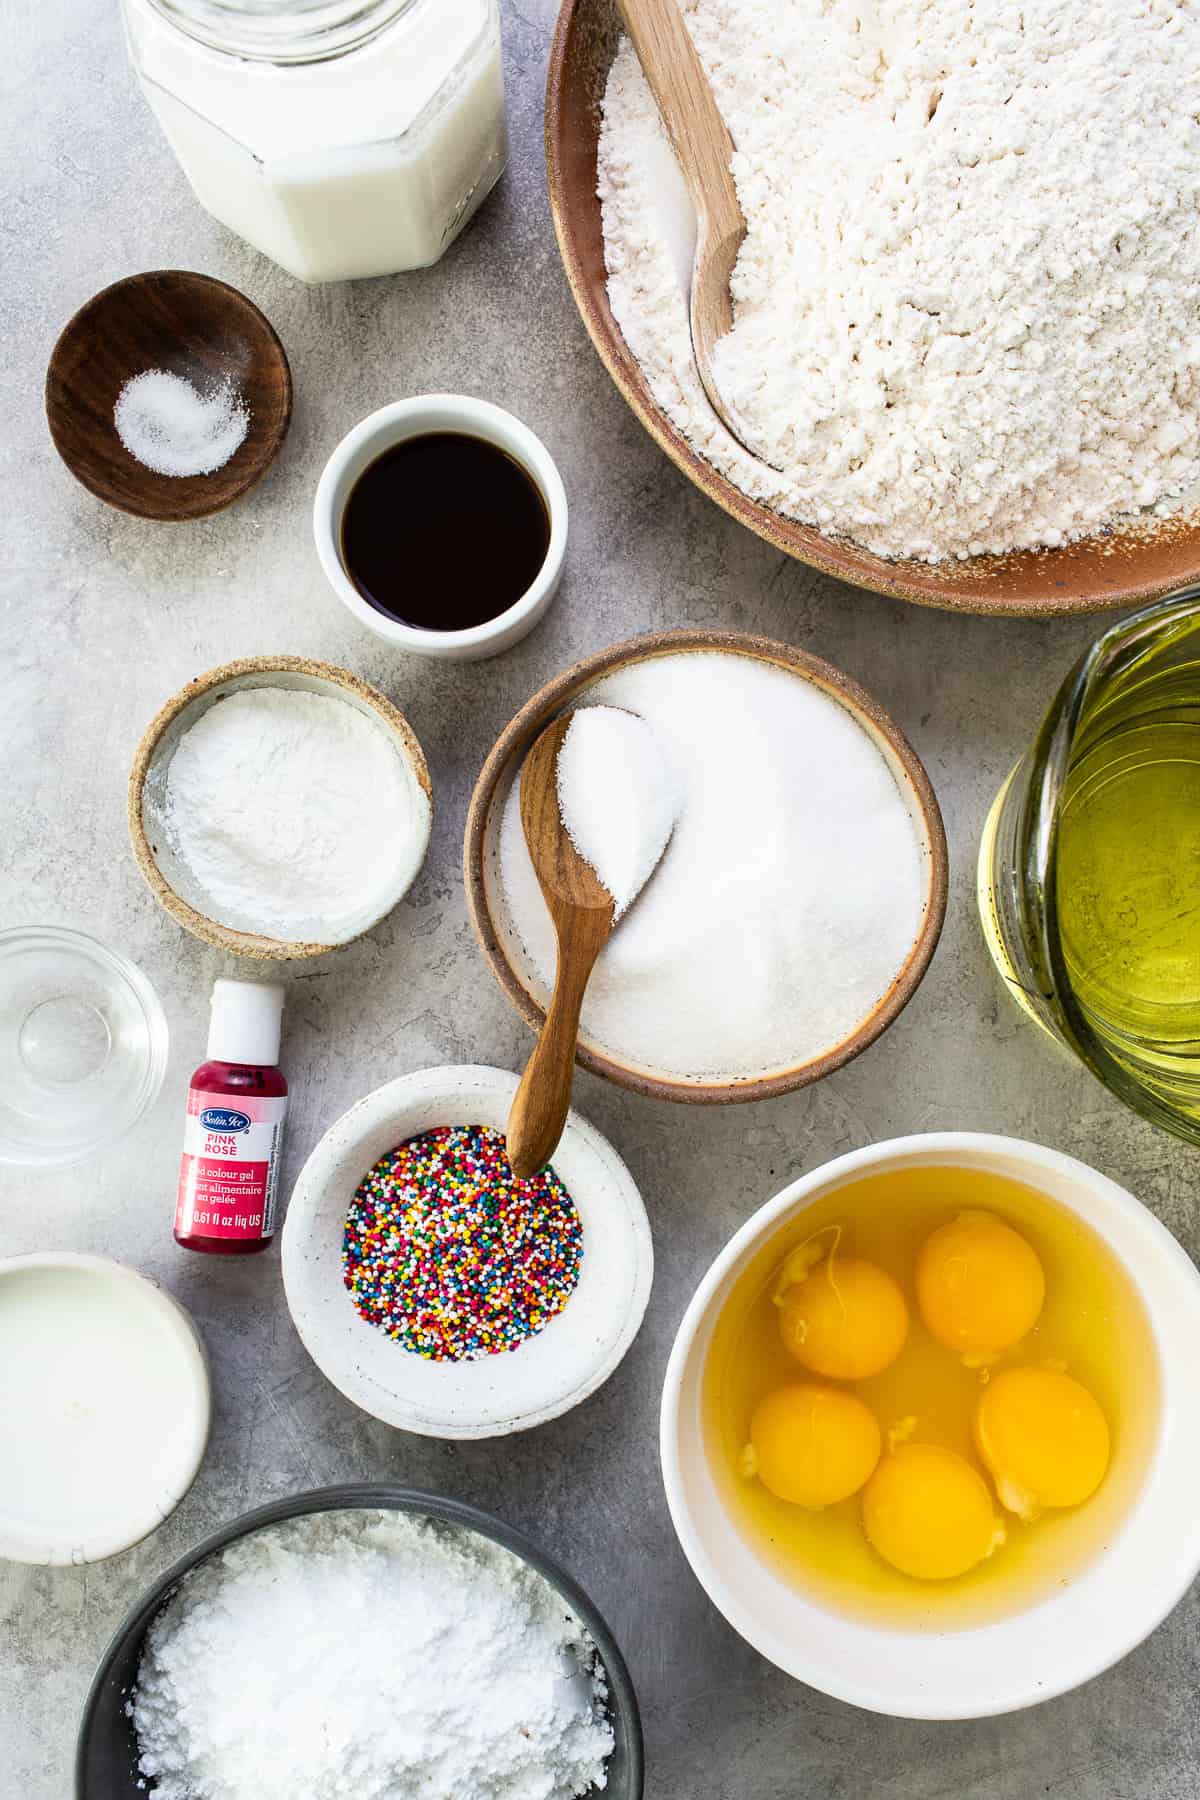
x=230 y=1167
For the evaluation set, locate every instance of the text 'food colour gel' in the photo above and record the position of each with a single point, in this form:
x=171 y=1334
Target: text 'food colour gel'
x=451 y=1255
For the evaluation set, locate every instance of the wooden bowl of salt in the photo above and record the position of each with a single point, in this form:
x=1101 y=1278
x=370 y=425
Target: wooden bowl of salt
x=168 y=395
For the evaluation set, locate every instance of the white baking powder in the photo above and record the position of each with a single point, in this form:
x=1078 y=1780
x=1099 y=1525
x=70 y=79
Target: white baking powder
x=618 y=798
x=293 y=813
x=967 y=310
x=169 y=425
x=788 y=898
x=369 y=1656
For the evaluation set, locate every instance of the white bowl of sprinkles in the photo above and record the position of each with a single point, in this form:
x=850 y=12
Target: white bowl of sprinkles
x=484 y=1395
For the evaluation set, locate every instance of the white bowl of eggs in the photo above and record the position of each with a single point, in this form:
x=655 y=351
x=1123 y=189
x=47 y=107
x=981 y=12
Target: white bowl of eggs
x=931 y=1428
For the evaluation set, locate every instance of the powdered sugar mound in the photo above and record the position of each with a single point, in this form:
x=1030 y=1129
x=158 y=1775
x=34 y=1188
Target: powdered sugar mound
x=364 y=1656
x=967 y=311
x=618 y=797
x=175 y=428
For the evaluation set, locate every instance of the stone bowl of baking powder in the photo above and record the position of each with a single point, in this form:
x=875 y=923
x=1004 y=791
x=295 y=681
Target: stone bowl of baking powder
x=279 y=807
x=1117 y=569
x=106 y=1754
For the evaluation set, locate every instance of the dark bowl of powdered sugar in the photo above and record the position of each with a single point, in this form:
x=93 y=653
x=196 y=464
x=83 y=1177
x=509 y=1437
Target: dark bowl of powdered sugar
x=106 y=1766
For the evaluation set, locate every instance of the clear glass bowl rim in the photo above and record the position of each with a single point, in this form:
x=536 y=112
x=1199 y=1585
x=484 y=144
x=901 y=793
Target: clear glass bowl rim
x=16 y=938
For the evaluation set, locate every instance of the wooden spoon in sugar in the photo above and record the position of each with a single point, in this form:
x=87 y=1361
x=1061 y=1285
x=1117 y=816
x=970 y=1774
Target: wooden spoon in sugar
x=615 y=779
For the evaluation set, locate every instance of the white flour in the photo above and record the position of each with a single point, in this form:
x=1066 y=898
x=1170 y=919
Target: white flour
x=788 y=898
x=967 y=310
x=293 y=812
x=369 y=1656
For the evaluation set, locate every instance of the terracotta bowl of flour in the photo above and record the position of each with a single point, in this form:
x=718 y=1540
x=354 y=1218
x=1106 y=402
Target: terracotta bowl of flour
x=509 y=958
x=1124 y=569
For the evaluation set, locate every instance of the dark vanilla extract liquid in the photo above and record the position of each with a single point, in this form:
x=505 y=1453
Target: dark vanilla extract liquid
x=444 y=532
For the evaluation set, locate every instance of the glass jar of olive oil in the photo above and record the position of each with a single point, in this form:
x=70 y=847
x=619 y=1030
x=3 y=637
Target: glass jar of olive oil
x=1089 y=868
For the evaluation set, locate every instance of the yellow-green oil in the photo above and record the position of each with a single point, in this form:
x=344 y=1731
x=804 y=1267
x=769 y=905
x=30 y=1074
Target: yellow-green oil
x=1089 y=866
x=989 y=911
x=1127 y=893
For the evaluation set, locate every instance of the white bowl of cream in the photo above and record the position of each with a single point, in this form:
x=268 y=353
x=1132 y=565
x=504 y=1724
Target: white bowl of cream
x=104 y=1407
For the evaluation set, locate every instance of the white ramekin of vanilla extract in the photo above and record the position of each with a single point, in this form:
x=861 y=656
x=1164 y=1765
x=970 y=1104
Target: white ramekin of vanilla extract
x=441 y=523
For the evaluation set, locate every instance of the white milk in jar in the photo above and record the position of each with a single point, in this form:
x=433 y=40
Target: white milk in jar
x=340 y=137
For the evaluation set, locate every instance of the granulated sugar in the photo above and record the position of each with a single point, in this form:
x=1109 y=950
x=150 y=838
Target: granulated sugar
x=366 y=1656
x=788 y=898
x=967 y=310
x=618 y=798
x=175 y=428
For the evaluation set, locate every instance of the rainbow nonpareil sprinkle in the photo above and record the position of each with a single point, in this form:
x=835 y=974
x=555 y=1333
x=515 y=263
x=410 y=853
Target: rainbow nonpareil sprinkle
x=452 y=1256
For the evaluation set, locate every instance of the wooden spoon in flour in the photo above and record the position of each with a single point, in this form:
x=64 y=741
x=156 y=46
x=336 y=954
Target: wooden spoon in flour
x=583 y=912
x=704 y=150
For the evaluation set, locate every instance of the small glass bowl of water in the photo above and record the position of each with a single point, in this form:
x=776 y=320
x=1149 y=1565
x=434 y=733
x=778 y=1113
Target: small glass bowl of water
x=83 y=1046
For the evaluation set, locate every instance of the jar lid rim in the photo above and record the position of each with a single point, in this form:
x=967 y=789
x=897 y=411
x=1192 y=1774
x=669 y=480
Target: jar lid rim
x=282 y=31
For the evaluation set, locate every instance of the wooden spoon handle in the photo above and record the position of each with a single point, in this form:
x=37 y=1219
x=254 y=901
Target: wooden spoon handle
x=543 y=1099
x=698 y=133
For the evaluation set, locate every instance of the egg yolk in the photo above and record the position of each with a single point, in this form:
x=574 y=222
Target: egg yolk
x=811 y=1444
x=980 y=1286
x=929 y=1513
x=1043 y=1439
x=847 y=1319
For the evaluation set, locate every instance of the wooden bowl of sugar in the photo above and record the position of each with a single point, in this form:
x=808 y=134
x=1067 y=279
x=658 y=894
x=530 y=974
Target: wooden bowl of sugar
x=168 y=395
x=1124 y=568
x=733 y=976
x=279 y=807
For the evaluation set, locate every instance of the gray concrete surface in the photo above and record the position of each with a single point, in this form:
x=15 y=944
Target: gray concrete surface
x=104 y=616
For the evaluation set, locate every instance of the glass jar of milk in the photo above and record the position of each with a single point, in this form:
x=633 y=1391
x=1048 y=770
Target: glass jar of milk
x=340 y=137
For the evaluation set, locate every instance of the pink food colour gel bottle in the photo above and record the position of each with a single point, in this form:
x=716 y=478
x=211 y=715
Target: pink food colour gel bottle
x=234 y=1131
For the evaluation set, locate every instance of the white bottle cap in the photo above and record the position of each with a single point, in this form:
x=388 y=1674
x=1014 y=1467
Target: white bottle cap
x=246 y=1022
